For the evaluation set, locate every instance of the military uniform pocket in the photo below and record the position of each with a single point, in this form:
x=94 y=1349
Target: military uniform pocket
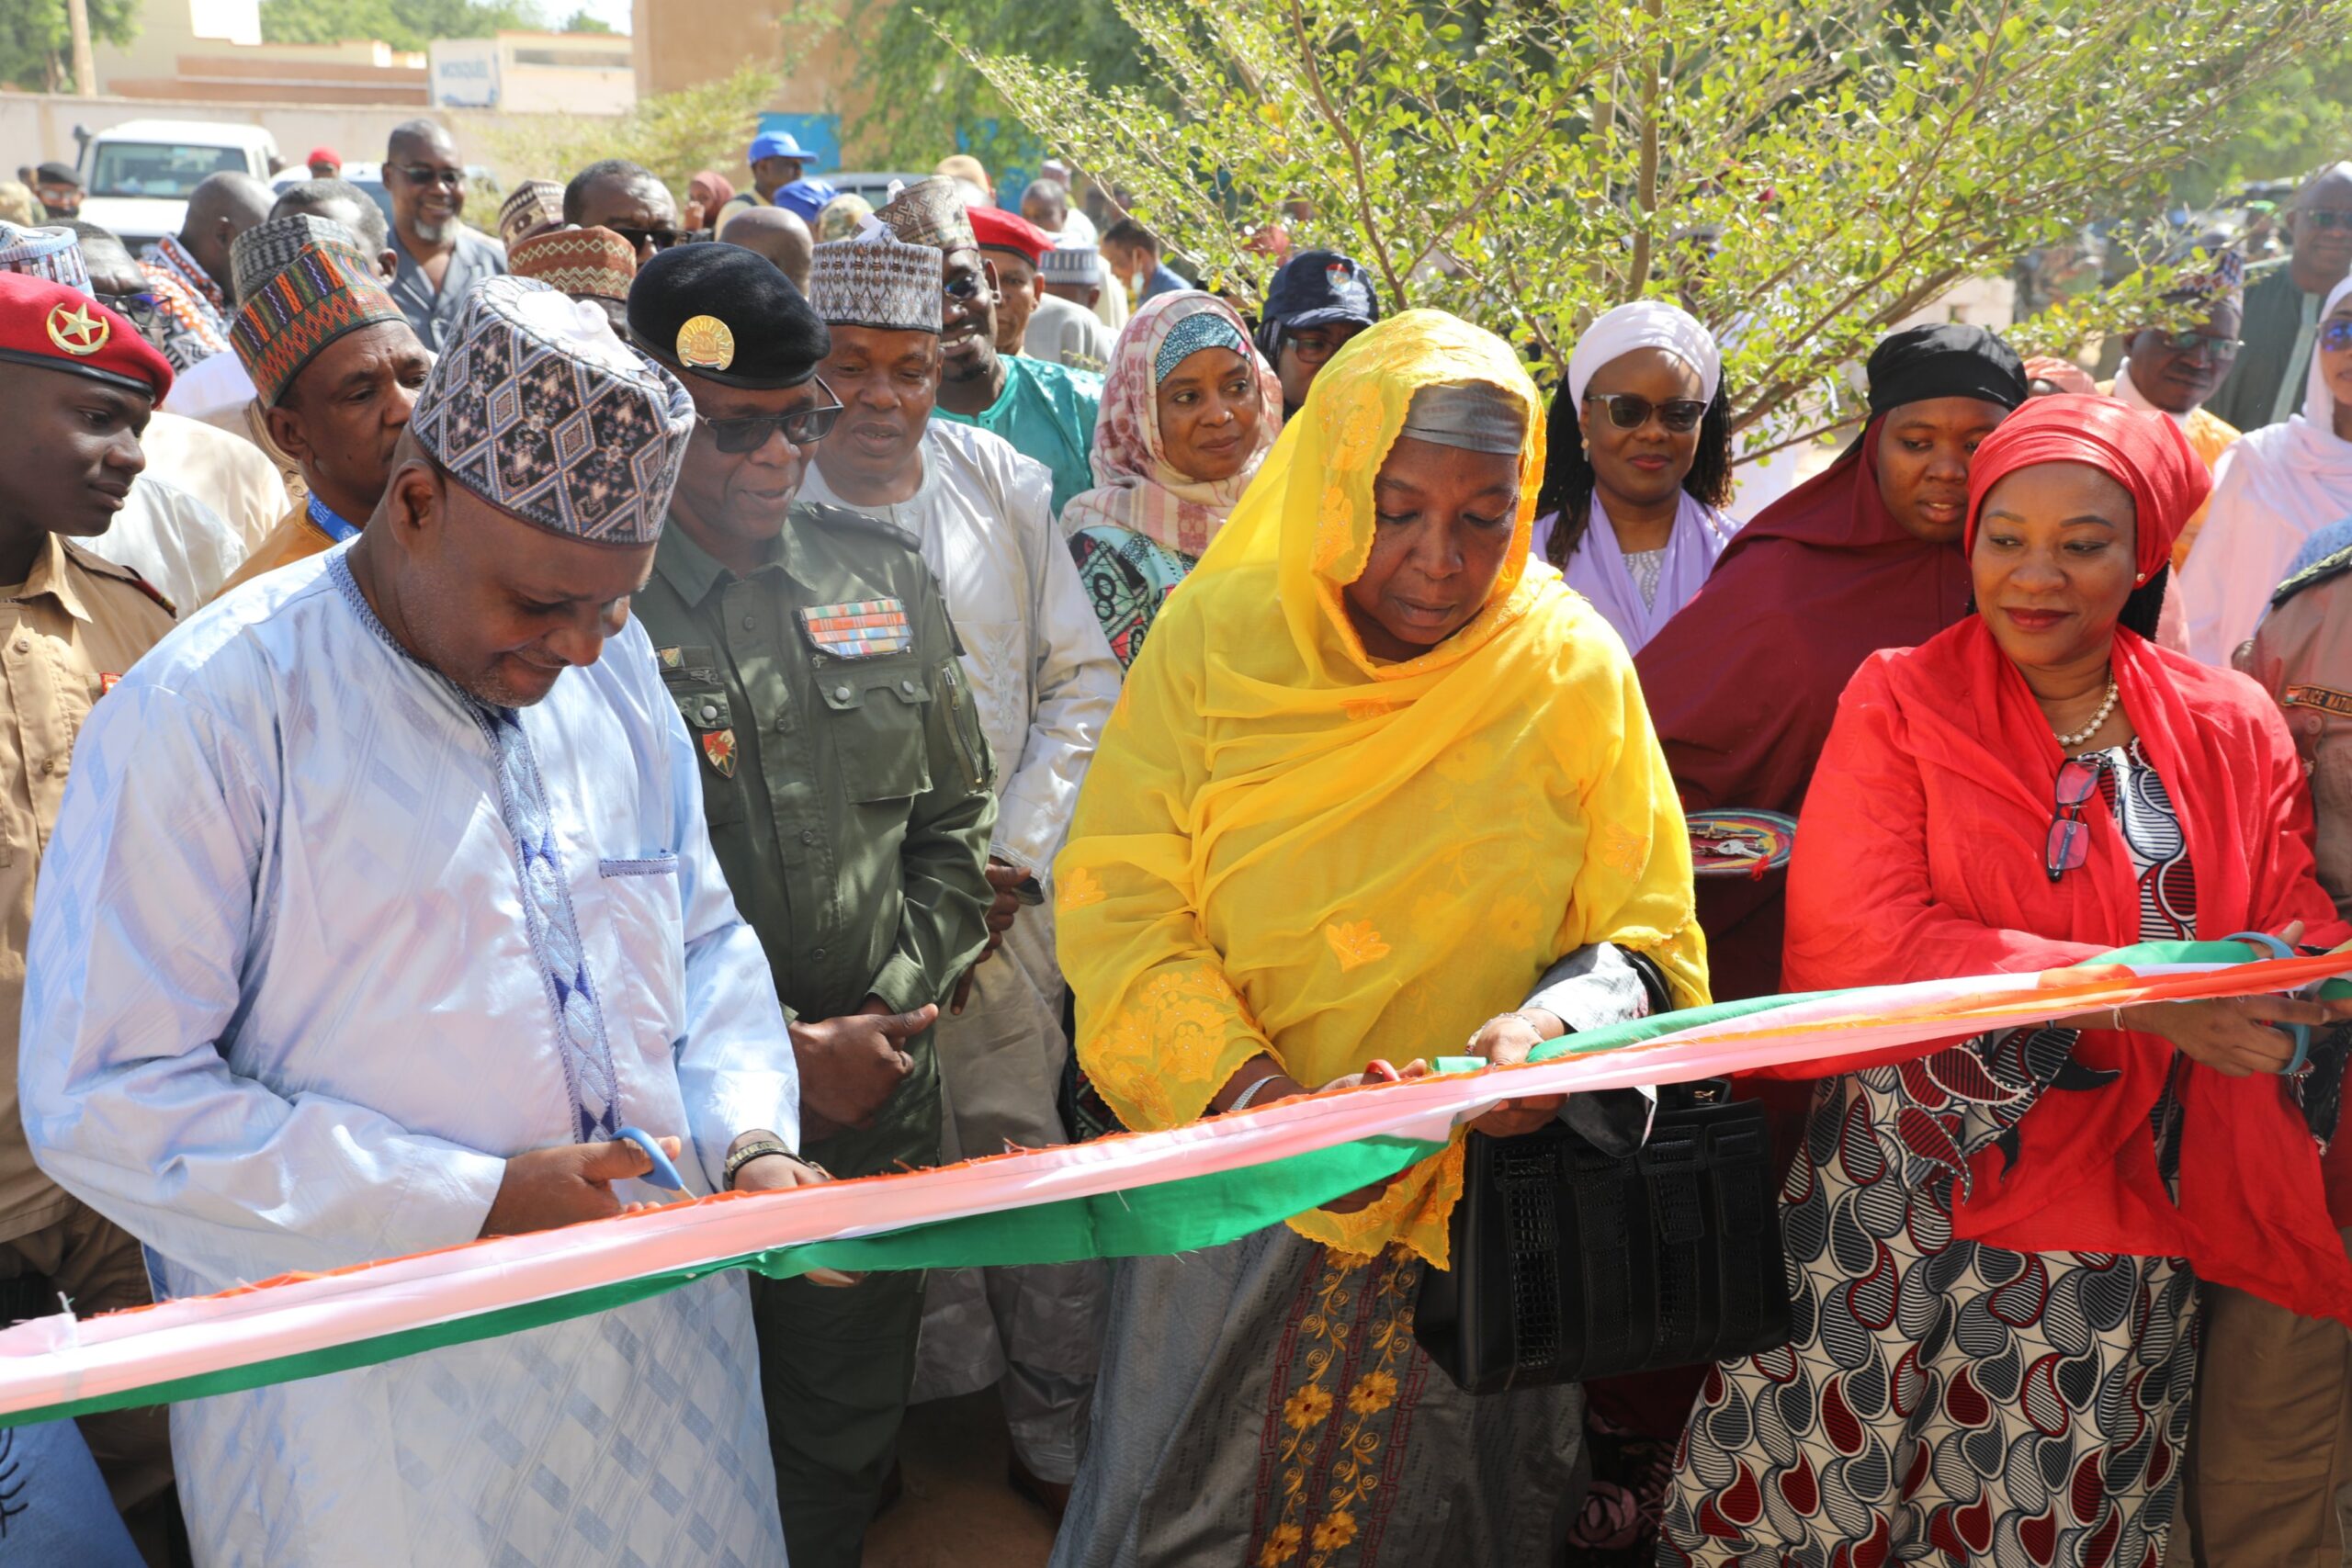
x=878 y=712
x=711 y=722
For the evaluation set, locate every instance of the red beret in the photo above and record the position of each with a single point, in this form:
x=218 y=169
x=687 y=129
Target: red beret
x=58 y=328
x=1001 y=231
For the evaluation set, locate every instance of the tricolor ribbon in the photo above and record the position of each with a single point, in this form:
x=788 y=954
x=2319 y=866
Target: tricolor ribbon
x=1139 y=1193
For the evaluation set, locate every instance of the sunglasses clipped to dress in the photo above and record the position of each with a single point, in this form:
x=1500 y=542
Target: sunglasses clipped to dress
x=801 y=427
x=1628 y=410
x=2069 y=845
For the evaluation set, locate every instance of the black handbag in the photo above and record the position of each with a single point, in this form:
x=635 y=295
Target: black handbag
x=1572 y=1263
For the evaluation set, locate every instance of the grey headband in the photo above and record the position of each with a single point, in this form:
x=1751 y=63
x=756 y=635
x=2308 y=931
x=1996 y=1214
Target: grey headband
x=1477 y=416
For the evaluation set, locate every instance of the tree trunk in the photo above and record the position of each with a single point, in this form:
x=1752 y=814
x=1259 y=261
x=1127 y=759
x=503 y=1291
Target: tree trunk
x=85 y=65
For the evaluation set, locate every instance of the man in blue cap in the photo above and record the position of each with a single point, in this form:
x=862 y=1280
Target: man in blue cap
x=1317 y=302
x=776 y=162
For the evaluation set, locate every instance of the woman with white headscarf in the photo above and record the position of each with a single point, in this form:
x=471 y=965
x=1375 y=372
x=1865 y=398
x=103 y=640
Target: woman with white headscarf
x=1632 y=505
x=2273 y=490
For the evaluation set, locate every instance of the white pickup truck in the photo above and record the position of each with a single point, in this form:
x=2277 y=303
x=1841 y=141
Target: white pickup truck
x=136 y=176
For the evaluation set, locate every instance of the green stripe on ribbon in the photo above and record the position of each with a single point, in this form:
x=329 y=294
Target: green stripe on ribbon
x=1164 y=1217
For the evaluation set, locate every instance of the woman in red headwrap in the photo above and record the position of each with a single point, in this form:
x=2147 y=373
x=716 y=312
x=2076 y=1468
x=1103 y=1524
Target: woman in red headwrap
x=1995 y=1246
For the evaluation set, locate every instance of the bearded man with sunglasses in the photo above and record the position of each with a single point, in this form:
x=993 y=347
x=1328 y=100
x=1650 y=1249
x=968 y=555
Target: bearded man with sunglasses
x=846 y=785
x=2282 y=308
x=440 y=258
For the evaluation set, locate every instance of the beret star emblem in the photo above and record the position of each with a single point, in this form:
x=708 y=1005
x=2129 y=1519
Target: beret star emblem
x=78 y=332
x=706 y=342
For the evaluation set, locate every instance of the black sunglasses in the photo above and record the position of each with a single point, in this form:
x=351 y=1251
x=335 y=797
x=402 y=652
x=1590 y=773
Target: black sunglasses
x=963 y=287
x=659 y=239
x=140 y=310
x=2335 y=337
x=801 y=427
x=1628 y=412
x=2324 y=218
x=425 y=175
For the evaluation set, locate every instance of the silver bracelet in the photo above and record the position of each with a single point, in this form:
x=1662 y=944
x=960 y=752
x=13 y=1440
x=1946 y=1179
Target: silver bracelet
x=1241 y=1101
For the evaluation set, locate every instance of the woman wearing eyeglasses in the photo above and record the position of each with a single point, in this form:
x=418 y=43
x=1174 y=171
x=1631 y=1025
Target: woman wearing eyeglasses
x=1188 y=412
x=1995 y=1246
x=2277 y=487
x=1631 y=510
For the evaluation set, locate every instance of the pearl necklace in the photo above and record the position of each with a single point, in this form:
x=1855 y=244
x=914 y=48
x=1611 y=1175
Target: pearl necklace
x=2068 y=742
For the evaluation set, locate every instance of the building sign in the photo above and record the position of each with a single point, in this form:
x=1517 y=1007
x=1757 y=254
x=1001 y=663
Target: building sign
x=465 y=73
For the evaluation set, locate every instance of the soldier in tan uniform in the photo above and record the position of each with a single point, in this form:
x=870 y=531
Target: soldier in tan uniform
x=2270 y=1458
x=79 y=386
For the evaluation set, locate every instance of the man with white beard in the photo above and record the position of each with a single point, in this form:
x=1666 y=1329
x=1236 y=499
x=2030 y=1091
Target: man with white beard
x=440 y=258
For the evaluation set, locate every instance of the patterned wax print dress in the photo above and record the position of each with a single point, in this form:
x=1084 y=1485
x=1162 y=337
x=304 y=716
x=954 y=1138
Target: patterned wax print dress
x=1944 y=1401
x=1128 y=577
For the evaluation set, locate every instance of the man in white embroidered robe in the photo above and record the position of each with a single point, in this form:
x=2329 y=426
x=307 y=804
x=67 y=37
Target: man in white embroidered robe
x=379 y=901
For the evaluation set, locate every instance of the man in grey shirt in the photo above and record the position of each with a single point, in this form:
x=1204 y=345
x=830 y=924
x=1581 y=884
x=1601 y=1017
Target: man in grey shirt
x=440 y=258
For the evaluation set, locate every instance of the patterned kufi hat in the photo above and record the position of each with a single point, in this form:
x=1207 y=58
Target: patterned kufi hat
x=290 y=315
x=271 y=246
x=537 y=408
x=2218 y=274
x=534 y=204
x=1071 y=264
x=930 y=212
x=52 y=254
x=583 y=263
x=876 y=282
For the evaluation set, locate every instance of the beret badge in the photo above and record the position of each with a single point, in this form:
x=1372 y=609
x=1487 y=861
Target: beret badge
x=706 y=342
x=74 y=329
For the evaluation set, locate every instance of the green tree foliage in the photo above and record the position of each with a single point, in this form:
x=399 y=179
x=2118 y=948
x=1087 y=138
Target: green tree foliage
x=403 y=24
x=37 y=44
x=1802 y=174
x=587 y=22
x=2300 y=122
x=923 y=93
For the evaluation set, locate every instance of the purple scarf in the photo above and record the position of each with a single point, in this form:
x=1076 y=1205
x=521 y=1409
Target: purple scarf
x=1598 y=569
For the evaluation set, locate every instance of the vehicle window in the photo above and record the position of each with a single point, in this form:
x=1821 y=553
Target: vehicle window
x=167 y=170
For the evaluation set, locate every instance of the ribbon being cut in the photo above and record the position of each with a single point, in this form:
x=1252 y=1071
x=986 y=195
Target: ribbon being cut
x=1189 y=1187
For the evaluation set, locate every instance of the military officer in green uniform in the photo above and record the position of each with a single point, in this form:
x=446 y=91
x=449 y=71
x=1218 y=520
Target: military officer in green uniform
x=846 y=783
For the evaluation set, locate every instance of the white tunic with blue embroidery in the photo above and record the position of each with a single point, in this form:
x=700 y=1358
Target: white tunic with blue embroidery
x=318 y=941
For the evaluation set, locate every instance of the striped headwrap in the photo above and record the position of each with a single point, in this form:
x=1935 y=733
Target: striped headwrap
x=291 y=315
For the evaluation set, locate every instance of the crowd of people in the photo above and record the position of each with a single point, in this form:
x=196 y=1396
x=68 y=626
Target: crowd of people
x=851 y=689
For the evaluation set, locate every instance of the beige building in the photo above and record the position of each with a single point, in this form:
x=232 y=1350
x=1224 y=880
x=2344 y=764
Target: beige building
x=520 y=72
x=194 y=52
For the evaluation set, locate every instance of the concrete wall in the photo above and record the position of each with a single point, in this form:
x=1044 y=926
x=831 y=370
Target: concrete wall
x=38 y=126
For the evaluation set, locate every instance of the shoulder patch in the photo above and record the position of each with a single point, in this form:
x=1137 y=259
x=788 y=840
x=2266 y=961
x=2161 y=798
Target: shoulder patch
x=99 y=566
x=841 y=519
x=2312 y=576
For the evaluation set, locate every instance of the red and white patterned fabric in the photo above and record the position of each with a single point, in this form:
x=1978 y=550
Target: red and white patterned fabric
x=1944 y=1400
x=195 y=309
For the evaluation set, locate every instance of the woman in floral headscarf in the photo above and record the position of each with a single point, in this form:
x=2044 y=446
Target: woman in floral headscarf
x=1188 y=412
x=1380 y=783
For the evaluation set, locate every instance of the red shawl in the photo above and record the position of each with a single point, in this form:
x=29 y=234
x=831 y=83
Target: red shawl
x=1743 y=683
x=1921 y=856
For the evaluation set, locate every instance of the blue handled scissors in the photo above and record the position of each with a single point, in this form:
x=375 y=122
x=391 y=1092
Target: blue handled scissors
x=664 y=1173
x=2299 y=1032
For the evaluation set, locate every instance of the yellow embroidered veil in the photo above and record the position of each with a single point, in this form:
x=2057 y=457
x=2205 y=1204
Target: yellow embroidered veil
x=1285 y=845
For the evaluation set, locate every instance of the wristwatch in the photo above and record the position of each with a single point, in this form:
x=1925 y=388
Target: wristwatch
x=750 y=1151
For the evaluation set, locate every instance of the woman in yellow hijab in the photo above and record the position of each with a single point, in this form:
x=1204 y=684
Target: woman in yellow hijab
x=1378 y=784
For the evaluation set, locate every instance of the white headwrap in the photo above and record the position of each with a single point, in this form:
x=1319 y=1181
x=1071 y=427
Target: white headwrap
x=2276 y=487
x=1647 y=324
